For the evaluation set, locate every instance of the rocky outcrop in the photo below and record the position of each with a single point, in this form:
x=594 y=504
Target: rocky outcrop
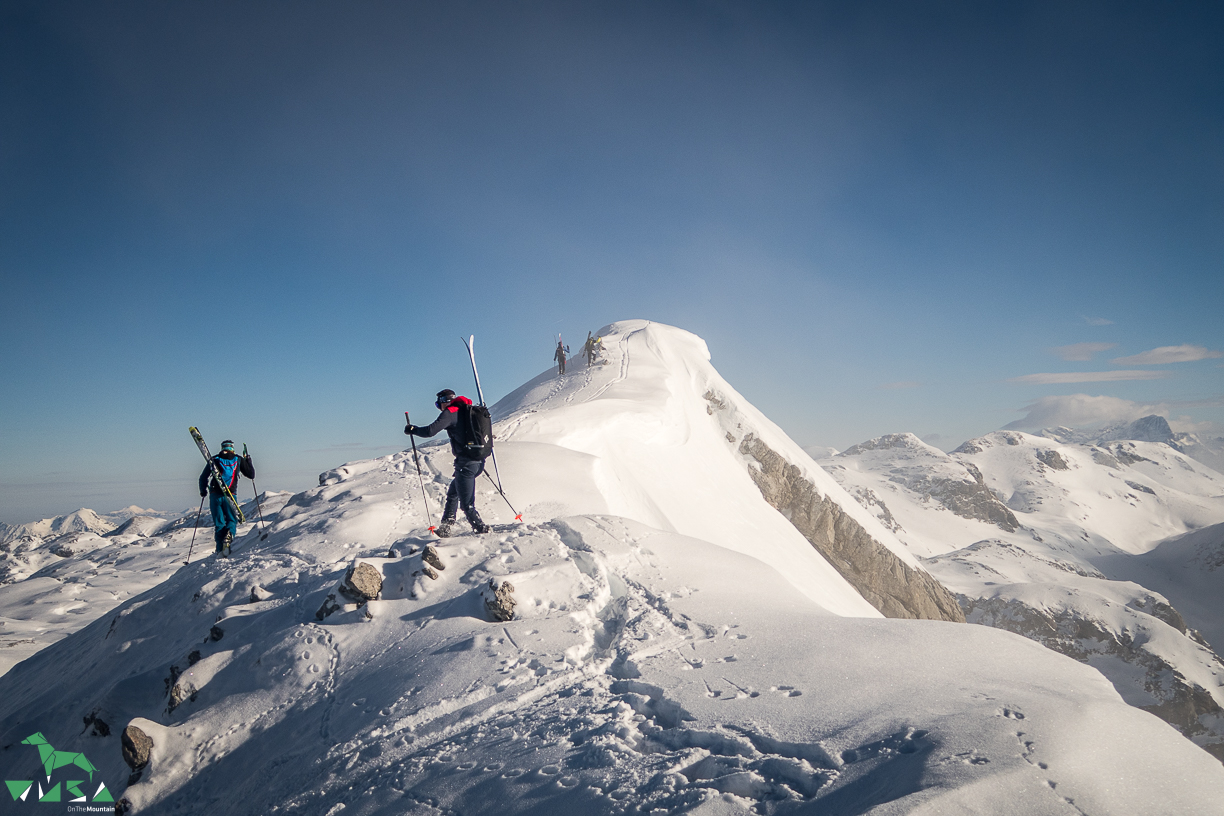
x=499 y=600
x=1184 y=705
x=1052 y=459
x=889 y=584
x=362 y=583
x=137 y=749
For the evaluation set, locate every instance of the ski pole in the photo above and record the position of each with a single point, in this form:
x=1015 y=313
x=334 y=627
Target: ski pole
x=194 y=530
x=420 y=478
x=517 y=515
x=258 y=509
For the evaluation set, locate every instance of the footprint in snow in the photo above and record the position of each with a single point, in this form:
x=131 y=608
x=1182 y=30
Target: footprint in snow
x=1009 y=713
x=786 y=691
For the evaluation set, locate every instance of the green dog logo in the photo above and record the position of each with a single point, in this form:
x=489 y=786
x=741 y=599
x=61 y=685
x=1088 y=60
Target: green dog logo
x=51 y=760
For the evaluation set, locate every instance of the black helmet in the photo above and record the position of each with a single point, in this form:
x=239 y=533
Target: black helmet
x=444 y=398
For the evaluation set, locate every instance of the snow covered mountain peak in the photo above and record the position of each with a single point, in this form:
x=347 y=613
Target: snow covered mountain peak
x=352 y=663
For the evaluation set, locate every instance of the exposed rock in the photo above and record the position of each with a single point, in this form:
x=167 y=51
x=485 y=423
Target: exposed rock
x=867 y=497
x=329 y=606
x=216 y=633
x=1184 y=705
x=971 y=500
x=499 y=600
x=137 y=748
x=362 y=583
x=1053 y=460
x=431 y=557
x=193 y=658
x=884 y=580
x=1126 y=455
x=1139 y=487
x=181 y=693
x=1104 y=457
x=258 y=594
x=100 y=727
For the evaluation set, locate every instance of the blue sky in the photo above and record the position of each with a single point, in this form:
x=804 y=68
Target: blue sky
x=275 y=220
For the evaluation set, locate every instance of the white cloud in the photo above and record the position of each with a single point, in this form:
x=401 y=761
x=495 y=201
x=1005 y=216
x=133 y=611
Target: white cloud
x=1169 y=354
x=1066 y=377
x=1081 y=351
x=1097 y=321
x=1081 y=411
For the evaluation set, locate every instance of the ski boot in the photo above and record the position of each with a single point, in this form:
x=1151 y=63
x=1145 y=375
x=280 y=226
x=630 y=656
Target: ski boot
x=445 y=528
x=229 y=539
x=478 y=526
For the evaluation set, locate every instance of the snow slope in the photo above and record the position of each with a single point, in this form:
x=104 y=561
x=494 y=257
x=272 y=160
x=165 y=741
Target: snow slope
x=1027 y=530
x=1188 y=570
x=55 y=586
x=645 y=667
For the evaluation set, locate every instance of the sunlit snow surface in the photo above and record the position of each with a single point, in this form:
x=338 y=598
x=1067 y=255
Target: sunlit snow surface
x=647 y=667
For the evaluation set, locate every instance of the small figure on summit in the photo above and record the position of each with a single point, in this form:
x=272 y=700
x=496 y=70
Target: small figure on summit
x=471 y=439
x=225 y=516
x=591 y=349
x=559 y=356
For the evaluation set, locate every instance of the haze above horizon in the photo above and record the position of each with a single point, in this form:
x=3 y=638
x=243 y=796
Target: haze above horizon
x=274 y=221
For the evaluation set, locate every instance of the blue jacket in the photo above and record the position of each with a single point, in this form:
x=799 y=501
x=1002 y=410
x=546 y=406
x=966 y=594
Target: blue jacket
x=230 y=466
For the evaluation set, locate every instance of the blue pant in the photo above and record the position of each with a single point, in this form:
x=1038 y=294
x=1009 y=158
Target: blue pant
x=462 y=490
x=224 y=517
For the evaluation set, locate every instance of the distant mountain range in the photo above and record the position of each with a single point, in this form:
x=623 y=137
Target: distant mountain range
x=1206 y=449
x=81 y=521
x=1103 y=545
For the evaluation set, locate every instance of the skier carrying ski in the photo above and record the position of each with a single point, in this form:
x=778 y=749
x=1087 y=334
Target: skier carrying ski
x=225 y=517
x=591 y=348
x=462 y=490
x=559 y=356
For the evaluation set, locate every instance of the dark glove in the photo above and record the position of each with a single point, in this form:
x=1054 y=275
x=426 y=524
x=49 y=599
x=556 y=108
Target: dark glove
x=203 y=493
x=409 y=429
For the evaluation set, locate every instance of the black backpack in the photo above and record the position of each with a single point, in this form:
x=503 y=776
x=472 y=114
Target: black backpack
x=477 y=431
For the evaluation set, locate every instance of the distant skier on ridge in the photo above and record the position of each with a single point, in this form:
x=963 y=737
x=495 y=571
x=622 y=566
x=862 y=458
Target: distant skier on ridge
x=229 y=464
x=456 y=420
x=559 y=356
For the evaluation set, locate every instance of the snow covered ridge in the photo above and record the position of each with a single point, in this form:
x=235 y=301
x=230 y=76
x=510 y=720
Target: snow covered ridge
x=682 y=447
x=338 y=667
x=1061 y=543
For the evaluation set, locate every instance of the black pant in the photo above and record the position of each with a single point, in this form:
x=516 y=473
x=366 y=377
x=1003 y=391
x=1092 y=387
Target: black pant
x=462 y=490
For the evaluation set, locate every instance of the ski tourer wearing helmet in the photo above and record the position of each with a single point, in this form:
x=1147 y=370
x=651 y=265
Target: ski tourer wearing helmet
x=462 y=490
x=229 y=464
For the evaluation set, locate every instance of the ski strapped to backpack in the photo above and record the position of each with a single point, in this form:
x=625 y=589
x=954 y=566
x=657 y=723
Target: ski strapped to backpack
x=470 y=343
x=199 y=440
